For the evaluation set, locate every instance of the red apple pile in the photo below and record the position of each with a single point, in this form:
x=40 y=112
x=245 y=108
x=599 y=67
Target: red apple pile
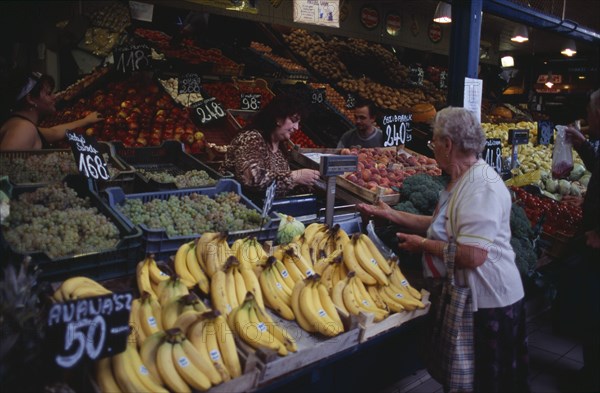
x=137 y=112
x=385 y=168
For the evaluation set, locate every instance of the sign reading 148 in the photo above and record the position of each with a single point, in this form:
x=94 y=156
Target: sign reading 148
x=397 y=130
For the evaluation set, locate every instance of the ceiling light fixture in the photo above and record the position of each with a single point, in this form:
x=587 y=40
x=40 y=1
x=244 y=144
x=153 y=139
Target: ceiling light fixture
x=549 y=83
x=570 y=48
x=520 y=34
x=443 y=13
x=507 y=61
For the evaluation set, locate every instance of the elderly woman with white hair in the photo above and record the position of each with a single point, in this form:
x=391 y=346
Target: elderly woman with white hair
x=474 y=212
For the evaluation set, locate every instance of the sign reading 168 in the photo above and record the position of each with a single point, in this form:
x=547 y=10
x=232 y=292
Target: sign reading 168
x=92 y=166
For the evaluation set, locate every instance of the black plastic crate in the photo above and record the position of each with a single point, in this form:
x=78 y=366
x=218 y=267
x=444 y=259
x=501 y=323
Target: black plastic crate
x=169 y=157
x=119 y=261
x=157 y=241
x=125 y=171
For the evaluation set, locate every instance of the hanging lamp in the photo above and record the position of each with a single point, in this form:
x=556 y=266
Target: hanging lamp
x=520 y=34
x=570 y=49
x=443 y=13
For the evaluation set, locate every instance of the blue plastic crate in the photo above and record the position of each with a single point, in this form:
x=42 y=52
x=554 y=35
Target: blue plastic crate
x=162 y=246
x=115 y=262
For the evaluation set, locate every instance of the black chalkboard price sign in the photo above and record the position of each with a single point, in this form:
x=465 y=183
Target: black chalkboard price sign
x=270 y=195
x=250 y=101
x=545 y=134
x=208 y=110
x=492 y=153
x=189 y=83
x=132 y=58
x=318 y=96
x=397 y=129
x=87 y=156
x=89 y=328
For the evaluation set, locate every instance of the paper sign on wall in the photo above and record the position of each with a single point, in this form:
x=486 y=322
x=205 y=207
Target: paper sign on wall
x=472 y=96
x=141 y=11
x=317 y=12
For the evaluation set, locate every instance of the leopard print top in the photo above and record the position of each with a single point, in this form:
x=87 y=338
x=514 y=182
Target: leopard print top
x=255 y=165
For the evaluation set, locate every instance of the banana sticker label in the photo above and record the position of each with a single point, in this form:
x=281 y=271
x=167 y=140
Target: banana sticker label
x=278 y=285
x=284 y=273
x=322 y=313
x=183 y=361
x=373 y=261
x=262 y=327
x=215 y=355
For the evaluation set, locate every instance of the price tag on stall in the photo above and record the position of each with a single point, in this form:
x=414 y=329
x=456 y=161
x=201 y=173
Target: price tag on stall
x=397 y=129
x=250 y=101
x=518 y=137
x=350 y=101
x=208 y=110
x=443 y=80
x=87 y=156
x=132 y=58
x=189 y=83
x=270 y=195
x=416 y=75
x=545 y=134
x=318 y=96
x=492 y=153
x=89 y=328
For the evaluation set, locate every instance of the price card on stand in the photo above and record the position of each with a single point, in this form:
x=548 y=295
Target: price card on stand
x=132 y=58
x=545 y=134
x=350 y=101
x=208 y=110
x=416 y=75
x=250 y=101
x=90 y=328
x=492 y=153
x=318 y=96
x=518 y=137
x=397 y=129
x=87 y=156
x=270 y=195
x=189 y=83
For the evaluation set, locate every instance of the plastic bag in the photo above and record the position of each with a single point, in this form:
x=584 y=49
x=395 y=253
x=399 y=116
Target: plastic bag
x=562 y=156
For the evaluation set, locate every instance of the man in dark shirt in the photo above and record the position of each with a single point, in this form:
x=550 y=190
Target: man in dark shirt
x=365 y=132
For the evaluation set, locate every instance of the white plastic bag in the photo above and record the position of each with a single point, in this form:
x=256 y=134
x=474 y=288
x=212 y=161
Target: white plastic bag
x=562 y=156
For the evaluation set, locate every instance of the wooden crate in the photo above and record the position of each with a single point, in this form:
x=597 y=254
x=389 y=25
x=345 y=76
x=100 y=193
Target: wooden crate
x=311 y=348
x=366 y=194
x=370 y=329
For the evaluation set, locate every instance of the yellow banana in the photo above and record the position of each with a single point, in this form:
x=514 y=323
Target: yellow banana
x=252 y=284
x=134 y=321
x=311 y=230
x=210 y=336
x=104 y=376
x=202 y=247
x=322 y=293
x=196 y=350
x=277 y=331
x=404 y=297
x=180 y=263
x=367 y=262
x=365 y=241
x=376 y=296
x=392 y=302
x=148 y=352
x=156 y=275
x=85 y=291
x=168 y=370
x=193 y=266
x=285 y=275
x=125 y=374
x=187 y=370
x=226 y=342
x=398 y=279
x=240 y=284
x=341 y=238
x=313 y=311
x=365 y=301
x=187 y=319
x=353 y=265
x=235 y=246
x=151 y=383
x=218 y=293
x=151 y=322
x=292 y=269
x=300 y=318
x=275 y=296
x=337 y=298
x=230 y=288
x=254 y=332
x=280 y=283
x=71 y=285
x=143 y=278
x=327 y=276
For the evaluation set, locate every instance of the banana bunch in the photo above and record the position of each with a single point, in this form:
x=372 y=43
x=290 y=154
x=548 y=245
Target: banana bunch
x=331 y=269
x=212 y=250
x=277 y=286
x=78 y=288
x=320 y=241
x=296 y=265
x=230 y=284
x=170 y=289
x=255 y=327
x=314 y=308
x=249 y=251
x=188 y=267
x=351 y=296
x=399 y=295
x=180 y=311
x=145 y=317
x=148 y=276
x=362 y=257
x=125 y=372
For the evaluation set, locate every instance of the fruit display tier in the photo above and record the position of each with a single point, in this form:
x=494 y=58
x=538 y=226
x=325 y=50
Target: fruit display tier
x=169 y=158
x=49 y=219
x=166 y=222
x=380 y=171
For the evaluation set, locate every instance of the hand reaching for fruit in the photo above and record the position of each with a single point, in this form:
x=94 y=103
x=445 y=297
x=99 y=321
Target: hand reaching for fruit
x=305 y=177
x=93 y=117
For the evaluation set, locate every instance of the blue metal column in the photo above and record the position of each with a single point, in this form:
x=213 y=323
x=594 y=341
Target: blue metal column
x=464 y=46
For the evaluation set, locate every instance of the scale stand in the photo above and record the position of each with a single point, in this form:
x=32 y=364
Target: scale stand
x=330 y=167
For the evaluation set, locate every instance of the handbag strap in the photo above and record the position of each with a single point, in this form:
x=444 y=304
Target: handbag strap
x=449 y=255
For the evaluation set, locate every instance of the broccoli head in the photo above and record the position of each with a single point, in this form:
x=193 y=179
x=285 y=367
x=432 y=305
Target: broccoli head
x=519 y=223
x=525 y=257
x=407 y=206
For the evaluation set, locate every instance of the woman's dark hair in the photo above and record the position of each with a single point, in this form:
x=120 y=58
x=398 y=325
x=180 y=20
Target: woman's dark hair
x=20 y=80
x=280 y=107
